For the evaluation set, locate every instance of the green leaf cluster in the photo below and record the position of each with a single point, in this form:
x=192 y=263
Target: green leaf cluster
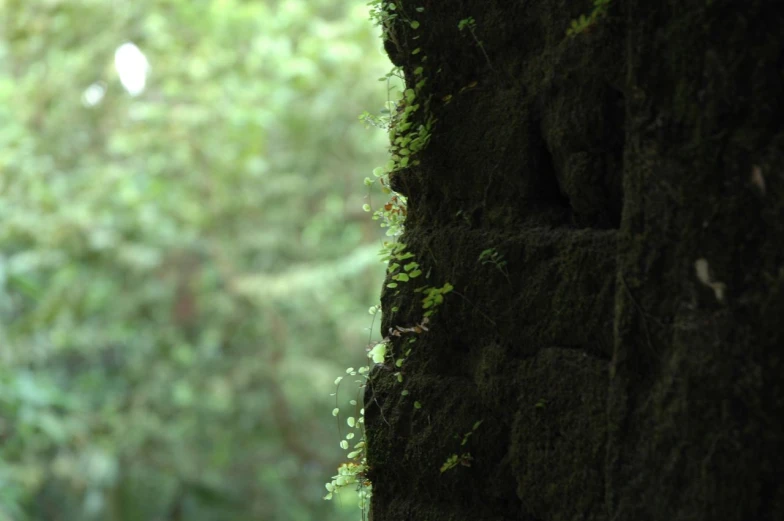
x=464 y=458
x=585 y=22
x=433 y=297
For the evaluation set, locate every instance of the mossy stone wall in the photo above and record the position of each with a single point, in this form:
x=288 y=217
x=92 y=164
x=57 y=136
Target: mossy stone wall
x=627 y=363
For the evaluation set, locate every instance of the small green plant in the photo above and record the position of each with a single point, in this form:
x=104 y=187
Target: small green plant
x=585 y=22
x=454 y=460
x=406 y=117
x=401 y=265
x=382 y=14
x=470 y=24
x=353 y=473
x=491 y=256
x=433 y=297
x=467 y=23
x=465 y=458
x=407 y=139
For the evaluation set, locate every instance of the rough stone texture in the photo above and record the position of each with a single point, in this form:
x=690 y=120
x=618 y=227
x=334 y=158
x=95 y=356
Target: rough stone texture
x=601 y=167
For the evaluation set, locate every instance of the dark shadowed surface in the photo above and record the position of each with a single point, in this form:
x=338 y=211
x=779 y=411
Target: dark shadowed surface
x=626 y=362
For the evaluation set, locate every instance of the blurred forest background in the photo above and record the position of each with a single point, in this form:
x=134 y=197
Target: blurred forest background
x=185 y=266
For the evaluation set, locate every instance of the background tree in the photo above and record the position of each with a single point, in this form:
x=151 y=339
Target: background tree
x=184 y=263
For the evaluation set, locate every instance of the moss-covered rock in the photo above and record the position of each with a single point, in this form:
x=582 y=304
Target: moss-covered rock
x=625 y=359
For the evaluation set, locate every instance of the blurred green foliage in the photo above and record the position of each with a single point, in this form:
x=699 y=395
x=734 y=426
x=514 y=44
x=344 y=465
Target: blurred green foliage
x=182 y=272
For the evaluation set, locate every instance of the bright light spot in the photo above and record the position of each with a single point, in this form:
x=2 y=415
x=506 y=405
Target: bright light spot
x=132 y=66
x=93 y=94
